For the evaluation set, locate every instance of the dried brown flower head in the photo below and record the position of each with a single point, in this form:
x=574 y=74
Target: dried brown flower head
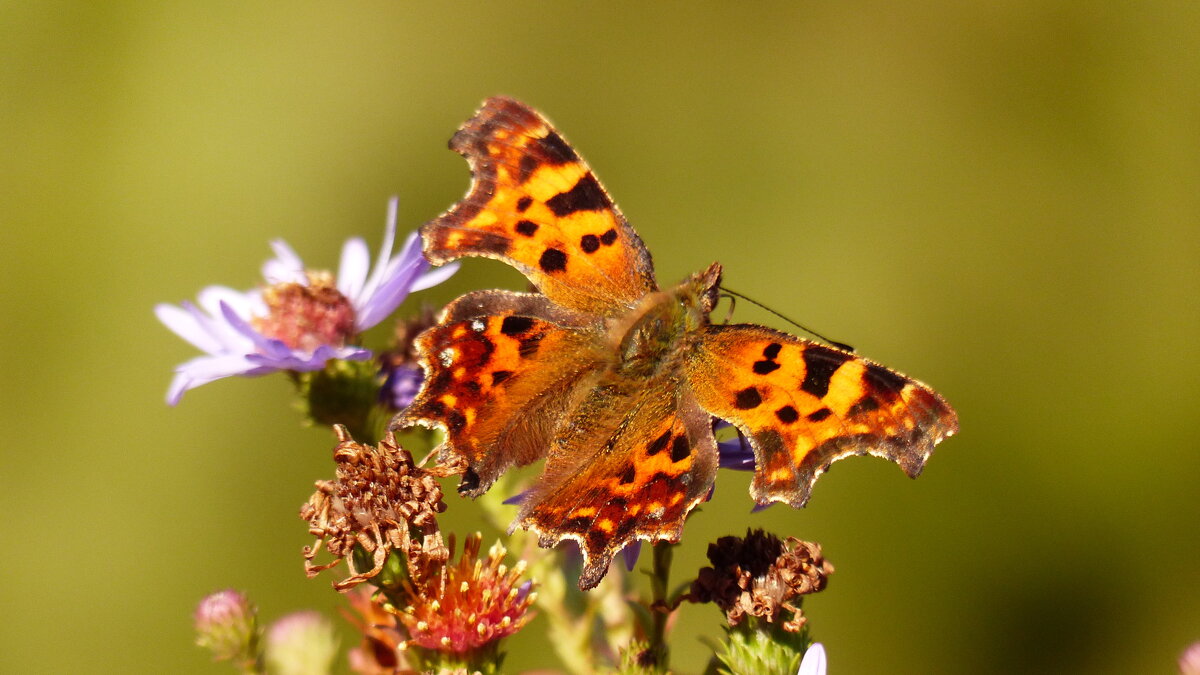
x=470 y=605
x=758 y=575
x=379 y=500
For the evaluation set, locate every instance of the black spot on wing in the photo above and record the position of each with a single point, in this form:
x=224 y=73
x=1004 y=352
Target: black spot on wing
x=499 y=376
x=885 y=380
x=608 y=237
x=515 y=325
x=555 y=150
x=553 y=260
x=818 y=415
x=772 y=350
x=658 y=444
x=747 y=399
x=526 y=167
x=587 y=195
x=590 y=243
x=524 y=203
x=469 y=482
x=820 y=363
x=787 y=414
x=680 y=449
x=527 y=228
x=490 y=242
x=529 y=345
x=864 y=405
x=763 y=367
x=455 y=421
x=628 y=475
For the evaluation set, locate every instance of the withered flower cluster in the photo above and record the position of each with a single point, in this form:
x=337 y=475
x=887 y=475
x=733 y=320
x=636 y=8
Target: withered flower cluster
x=379 y=500
x=758 y=575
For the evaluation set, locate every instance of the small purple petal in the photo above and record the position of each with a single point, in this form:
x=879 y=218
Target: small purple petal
x=434 y=277
x=353 y=268
x=188 y=326
x=286 y=267
x=736 y=453
x=630 y=553
x=401 y=386
x=814 y=661
x=385 y=254
x=517 y=498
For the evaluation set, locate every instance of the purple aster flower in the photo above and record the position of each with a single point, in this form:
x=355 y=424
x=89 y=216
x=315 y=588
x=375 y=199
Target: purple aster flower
x=814 y=661
x=302 y=319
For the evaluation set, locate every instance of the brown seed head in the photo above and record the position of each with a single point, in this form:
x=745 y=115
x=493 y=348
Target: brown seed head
x=758 y=575
x=379 y=500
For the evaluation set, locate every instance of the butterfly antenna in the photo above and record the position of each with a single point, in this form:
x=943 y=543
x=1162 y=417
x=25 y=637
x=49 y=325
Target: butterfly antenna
x=806 y=329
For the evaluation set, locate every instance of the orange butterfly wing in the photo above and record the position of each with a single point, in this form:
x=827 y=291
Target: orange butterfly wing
x=501 y=371
x=614 y=382
x=631 y=460
x=804 y=405
x=536 y=205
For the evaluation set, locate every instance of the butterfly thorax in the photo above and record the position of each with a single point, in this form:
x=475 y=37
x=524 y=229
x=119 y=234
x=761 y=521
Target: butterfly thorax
x=658 y=332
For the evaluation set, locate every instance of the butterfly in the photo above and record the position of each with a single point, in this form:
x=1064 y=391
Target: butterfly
x=614 y=381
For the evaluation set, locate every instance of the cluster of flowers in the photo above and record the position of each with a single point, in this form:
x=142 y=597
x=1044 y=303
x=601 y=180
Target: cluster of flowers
x=417 y=607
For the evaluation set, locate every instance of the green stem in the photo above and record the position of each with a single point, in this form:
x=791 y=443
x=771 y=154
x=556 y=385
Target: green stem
x=659 y=610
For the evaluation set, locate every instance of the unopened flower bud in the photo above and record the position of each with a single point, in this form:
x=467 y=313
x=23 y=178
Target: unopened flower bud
x=301 y=644
x=227 y=626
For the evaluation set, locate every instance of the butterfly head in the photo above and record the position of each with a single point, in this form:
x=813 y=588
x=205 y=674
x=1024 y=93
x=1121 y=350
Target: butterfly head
x=702 y=290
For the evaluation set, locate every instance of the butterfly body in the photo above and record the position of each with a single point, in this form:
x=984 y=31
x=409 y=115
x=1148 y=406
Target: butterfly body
x=614 y=382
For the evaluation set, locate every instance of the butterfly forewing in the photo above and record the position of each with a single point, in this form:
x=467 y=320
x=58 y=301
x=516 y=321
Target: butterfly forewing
x=536 y=205
x=804 y=405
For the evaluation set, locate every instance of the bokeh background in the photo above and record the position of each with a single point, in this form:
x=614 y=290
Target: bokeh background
x=998 y=198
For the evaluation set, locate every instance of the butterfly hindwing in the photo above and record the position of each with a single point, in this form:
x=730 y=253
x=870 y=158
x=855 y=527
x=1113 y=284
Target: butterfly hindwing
x=804 y=405
x=536 y=205
x=629 y=464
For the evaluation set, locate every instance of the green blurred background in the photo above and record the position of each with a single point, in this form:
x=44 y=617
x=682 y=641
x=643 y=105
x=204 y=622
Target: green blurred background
x=1001 y=199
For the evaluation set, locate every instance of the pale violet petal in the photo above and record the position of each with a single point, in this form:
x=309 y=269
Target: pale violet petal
x=385 y=261
x=353 y=268
x=186 y=325
x=814 y=661
x=434 y=277
x=286 y=267
x=385 y=299
x=211 y=298
x=205 y=369
x=218 y=329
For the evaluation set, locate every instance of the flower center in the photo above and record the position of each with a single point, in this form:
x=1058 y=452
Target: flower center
x=306 y=317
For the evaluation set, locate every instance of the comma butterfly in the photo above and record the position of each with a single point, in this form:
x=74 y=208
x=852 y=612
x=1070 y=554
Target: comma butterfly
x=616 y=382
